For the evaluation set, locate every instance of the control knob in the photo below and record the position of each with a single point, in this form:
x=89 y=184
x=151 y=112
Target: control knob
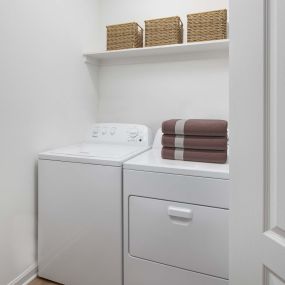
x=113 y=131
x=96 y=132
x=104 y=131
x=133 y=133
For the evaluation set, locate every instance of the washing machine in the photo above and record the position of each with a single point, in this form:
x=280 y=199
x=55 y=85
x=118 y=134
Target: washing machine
x=176 y=221
x=80 y=205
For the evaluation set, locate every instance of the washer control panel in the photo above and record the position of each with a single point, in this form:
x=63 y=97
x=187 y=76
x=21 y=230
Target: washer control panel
x=131 y=134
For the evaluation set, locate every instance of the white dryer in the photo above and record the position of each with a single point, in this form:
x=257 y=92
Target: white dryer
x=80 y=206
x=175 y=221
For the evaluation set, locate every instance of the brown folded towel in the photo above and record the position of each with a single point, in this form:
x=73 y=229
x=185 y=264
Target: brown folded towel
x=195 y=127
x=208 y=156
x=195 y=142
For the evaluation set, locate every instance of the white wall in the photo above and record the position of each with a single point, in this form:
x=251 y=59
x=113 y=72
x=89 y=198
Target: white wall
x=150 y=93
x=47 y=98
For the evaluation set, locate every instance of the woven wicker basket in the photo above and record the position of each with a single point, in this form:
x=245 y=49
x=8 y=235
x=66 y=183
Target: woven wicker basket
x=124 y=36
x=207 y=26
x=164 y=31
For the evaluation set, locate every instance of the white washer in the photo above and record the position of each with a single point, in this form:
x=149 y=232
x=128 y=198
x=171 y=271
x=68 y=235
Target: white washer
x=80 y=206
x=175 y=221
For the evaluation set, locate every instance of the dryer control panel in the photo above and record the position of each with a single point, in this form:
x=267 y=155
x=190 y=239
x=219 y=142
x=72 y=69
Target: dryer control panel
x=130 y=134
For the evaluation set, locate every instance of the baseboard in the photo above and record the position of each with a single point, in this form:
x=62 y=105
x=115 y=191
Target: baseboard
x=27 y=276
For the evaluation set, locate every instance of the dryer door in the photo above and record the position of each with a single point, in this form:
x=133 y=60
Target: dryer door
x=182 y=235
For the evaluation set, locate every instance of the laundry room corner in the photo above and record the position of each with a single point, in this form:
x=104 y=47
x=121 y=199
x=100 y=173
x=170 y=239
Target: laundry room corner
x=142 y=142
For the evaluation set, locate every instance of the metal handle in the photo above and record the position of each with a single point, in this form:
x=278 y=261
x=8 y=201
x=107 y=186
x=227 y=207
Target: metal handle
x=183 y=213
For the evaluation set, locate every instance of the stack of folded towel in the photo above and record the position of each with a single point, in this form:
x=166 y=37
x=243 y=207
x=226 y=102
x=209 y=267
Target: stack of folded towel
x=195 y=140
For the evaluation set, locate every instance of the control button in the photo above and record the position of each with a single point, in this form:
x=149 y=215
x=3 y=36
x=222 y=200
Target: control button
x=113 y=131
x=133 y=132
x=104 y=131
x=95 y=132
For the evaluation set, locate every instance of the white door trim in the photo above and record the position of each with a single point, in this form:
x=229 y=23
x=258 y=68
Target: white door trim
x=257 y=165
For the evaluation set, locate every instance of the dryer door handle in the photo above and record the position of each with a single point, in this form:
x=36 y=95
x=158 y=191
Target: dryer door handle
x=177 y=212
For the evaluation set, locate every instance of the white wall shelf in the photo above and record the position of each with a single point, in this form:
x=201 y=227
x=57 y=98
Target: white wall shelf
x=160 y=53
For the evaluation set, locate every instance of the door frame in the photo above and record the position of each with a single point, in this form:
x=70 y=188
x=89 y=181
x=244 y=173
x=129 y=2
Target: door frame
x=251 y=140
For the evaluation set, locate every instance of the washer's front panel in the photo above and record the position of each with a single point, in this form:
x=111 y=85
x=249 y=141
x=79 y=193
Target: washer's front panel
x=80 y=235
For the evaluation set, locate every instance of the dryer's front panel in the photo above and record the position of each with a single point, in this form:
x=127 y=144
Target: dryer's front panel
x=175 y=229
x=80 y=225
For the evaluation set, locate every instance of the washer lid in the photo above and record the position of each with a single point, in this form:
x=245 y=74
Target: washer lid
x=94 y=153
